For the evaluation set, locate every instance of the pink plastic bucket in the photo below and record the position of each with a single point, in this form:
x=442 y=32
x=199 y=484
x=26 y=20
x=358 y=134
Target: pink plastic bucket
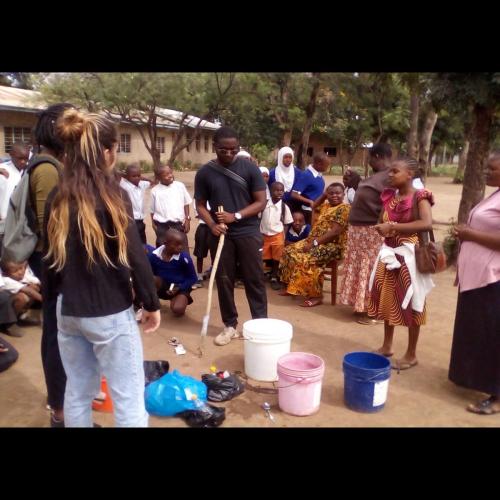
x=300 y=376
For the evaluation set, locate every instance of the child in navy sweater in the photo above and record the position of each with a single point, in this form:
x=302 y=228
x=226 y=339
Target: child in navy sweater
x=174 y=272
x=298 y=230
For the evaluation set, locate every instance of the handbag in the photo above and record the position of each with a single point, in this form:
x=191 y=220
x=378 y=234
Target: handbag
x=429 y=254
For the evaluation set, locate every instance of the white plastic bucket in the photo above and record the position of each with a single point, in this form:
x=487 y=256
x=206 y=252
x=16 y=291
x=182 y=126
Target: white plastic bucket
x=266 y=340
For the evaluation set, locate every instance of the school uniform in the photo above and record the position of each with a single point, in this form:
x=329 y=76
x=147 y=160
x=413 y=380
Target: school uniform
x=310 y=185
x=136 y=194
x=179 y=271
x=272 y=226
x=167 y=207
x=13 y=286
x=292 y=236
x=202 y=236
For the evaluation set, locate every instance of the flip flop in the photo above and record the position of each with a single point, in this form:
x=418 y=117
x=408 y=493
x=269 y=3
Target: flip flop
x=369 y=321
x=484 y=407
x=396 y=364
x=309 y=303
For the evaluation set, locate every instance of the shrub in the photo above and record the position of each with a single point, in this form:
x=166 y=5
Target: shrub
x=451 y=244
x=146 y=166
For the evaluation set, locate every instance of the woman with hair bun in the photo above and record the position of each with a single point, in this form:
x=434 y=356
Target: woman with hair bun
x=94 y=258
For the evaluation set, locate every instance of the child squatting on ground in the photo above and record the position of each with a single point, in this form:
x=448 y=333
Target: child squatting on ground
x=18 y=280
x=274 y=218
x=174 y=272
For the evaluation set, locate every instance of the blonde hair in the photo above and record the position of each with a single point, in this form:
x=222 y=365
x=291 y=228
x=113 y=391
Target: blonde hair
x=85 y=179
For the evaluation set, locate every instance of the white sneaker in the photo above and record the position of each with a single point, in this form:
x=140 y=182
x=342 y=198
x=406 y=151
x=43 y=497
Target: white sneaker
x=226 y=335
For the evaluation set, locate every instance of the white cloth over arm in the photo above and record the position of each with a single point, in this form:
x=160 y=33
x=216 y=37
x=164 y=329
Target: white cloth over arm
x=421 y=284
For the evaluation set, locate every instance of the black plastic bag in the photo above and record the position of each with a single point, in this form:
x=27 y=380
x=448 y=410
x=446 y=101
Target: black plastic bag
x=210 y=416
x=153 y=370
x=222 y=389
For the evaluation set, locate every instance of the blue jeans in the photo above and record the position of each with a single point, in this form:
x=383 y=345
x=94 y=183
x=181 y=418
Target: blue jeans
x=106 y=345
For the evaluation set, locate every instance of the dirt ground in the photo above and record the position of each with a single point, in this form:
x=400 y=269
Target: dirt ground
x=420 y=397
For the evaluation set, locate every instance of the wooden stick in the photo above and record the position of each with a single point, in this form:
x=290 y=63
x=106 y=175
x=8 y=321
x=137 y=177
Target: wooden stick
x=206 y=318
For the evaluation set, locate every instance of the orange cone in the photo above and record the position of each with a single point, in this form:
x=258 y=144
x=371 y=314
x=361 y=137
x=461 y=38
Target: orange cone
x=103 y=401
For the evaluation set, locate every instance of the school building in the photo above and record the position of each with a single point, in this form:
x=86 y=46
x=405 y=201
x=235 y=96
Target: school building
x=320 y=143
x=18 y=108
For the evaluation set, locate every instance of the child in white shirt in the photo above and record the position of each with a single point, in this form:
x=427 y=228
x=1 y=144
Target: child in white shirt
x=18 y=280
x=170 y=207
x=274 y=218
x=136 y=186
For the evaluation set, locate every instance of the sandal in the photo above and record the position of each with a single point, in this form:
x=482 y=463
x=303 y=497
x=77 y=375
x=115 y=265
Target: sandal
x=484 y=407
x=399 y=365
x=310 y=303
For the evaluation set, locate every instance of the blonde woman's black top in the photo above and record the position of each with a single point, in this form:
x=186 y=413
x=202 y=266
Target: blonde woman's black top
x=99 y=289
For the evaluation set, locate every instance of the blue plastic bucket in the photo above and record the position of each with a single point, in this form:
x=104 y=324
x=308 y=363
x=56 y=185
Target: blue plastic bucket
x=366 y=381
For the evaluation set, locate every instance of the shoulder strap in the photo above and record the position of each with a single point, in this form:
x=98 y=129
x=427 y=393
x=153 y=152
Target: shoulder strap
x=39 y=159
x=229 y=174
x=423 y=236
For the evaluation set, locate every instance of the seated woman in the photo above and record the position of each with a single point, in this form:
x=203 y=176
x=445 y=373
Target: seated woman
x=302 y=265
x=174 y=272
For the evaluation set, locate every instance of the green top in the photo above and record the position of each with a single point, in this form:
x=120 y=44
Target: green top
x=43 y=180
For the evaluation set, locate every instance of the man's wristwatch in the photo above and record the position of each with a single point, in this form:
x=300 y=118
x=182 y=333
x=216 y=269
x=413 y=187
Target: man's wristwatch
x=315 y=243
x=237 y=216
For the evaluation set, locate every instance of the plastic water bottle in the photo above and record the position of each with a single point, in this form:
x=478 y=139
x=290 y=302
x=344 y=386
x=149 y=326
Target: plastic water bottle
x=200 y=405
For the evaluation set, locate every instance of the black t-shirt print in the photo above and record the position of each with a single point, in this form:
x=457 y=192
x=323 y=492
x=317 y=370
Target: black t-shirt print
x=220 y=190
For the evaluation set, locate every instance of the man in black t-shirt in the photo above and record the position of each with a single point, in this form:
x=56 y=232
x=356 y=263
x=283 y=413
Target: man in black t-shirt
x=242 y=196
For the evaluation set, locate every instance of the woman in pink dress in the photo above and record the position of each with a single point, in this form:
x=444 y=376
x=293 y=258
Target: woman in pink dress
x=475 y=353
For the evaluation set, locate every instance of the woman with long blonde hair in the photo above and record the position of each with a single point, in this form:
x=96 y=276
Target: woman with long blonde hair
x=94 y=259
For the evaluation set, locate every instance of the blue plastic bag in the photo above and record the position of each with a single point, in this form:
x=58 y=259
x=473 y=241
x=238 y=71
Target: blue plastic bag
x=171 y=394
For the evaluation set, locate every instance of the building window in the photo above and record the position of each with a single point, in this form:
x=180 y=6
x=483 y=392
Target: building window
x=16 y=134
x=124 y=145
x=310 y=151
x=213 y=147
x=330 y=151
x=198 y=143
x=207 y=141
x=160 y=144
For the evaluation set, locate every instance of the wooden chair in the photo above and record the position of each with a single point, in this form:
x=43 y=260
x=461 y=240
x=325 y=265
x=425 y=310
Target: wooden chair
x=331 y=270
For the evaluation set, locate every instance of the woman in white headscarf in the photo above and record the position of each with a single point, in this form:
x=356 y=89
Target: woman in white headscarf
x=285 y=172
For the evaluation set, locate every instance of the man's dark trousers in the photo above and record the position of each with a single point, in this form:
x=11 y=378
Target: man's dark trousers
x=247 y=252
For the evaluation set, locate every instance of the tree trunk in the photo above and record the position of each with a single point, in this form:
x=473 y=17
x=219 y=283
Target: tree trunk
x=412 y=139
x=431 y=154
x=474 y=179
x=341 y=157
x=286 y=138
x=438 y=157
x=310 y=109
x=462 y=158
x=426 y=137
